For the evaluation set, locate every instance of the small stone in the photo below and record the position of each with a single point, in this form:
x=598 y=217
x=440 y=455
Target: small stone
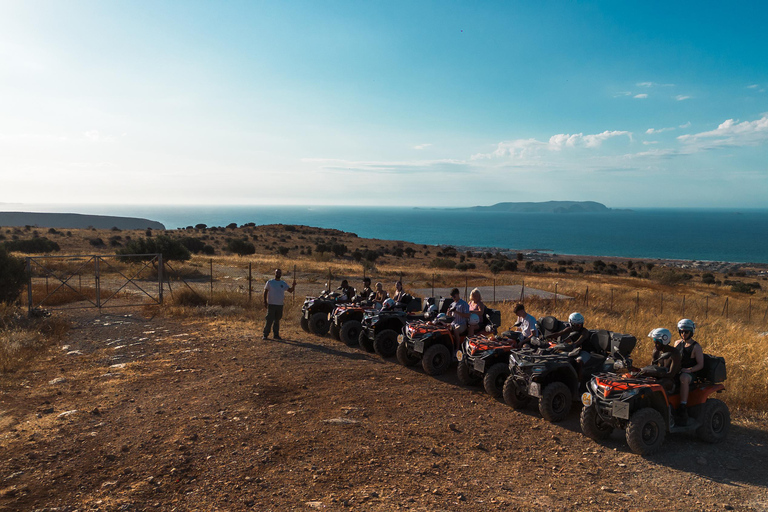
x=74 y=353
x=57 y=380
x=315 y=504
x=66 y=413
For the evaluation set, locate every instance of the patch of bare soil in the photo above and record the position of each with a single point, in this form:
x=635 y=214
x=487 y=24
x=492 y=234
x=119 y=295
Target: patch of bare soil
x=164 y=414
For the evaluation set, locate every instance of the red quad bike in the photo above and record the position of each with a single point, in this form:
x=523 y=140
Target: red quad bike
x=347 y=321
x=486 y=360
x=641 y=407
x=380 y=327
x=433 y=344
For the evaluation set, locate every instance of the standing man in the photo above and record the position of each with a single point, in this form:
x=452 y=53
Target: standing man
x=274 y=296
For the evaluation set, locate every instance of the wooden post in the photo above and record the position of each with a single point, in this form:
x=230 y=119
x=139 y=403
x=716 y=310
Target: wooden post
x=706 y=307
x=293 y=299
x=555 y=294
x=46 y=282
x=749 y=312
x=494 y=289
x=683 y=314
x=250 y=282
x=637 y=304
x=611 y=309
x=433 y=284
x=522 y=292
x=586 y=297
x=211 y=268
x=29 y=285
x=725 y=308
x=661 y=303
x=466 y=285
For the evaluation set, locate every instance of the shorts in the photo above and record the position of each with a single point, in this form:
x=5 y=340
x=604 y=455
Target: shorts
x=459 y=328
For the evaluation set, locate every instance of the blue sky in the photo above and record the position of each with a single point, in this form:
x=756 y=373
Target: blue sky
x=656 y=104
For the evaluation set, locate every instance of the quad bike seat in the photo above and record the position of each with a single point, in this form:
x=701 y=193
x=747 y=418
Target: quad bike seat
x=550 y=325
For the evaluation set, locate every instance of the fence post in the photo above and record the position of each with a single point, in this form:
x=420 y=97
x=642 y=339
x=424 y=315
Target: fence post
x=160 y=277
x=555 y=294
x=433 y=284
x=98 y=282
x=637 y=304
x=725 y=308
x=706 y=307
x=661 y=303
x=749 y=312
x=494 y=289
x=683 y=315
x=611 y=309
x=29 y=285
x=466 y=284
x=586 y=297
x=250 y=279
x=522 y=292
x=211 y=264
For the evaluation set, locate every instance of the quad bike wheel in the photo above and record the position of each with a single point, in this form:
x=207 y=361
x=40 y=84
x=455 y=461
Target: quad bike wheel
x=494 y=379
x=436 y=359
x=465 y=375
x=385 y=343
x=646 y=431
x=592 y=425
x=405 y=357
x=333 y=330
x=715 y=421
x=364 y=341
x=319 y=324
x=513 y=396
x=304 y=324
x=350 y=332
x=555 y=402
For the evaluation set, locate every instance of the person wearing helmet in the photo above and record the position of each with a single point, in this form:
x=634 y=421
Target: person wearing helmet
x=388 y=304
x=476 y=312
x=692 y=360
x=366 y=293
x=526 y=323
x=577 y=337
x=380 y=295
x=665 y=359
x=459 y=310
x=347 y=292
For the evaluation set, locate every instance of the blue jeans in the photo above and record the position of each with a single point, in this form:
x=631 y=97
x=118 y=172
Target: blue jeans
x=274 y=314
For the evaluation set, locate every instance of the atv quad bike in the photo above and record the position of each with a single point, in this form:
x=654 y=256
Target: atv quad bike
x=380 y=328
x=433 y=344
x=316 y=311
x=640 y=406
x=556 y=379
x=347 y=321
x=486 y=360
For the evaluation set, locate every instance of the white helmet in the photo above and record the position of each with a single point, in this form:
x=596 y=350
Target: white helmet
x=388 y=304
x=431 y=311
x=442 y=317
x=474 y=319
x=342 y=298
x=576 y=318
x=661 y=335
x=686 y=325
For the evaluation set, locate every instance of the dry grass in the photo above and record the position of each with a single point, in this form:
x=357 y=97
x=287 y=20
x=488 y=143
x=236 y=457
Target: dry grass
x=22 y=338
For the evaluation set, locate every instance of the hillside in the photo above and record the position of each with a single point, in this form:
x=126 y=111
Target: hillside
x=546 y=207
x=75 y=221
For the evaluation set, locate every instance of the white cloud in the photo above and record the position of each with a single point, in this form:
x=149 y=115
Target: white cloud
x=520 y=148
x=753 y=86
x=640 y=96
x=651 y=131
x=686 y=125
x=653 y=84
x=730 y=133
x=421 y=146
x=562 y=140
x=649 y=142
x=682 y=97
x=622 y=94
x=334 y=165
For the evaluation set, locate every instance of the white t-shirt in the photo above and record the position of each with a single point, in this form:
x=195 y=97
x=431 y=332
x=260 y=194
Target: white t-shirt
x=276 y=291
x=528 y=325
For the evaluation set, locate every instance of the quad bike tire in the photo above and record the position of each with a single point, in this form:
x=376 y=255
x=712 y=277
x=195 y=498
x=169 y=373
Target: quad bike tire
x=465 y=375
x=405 y=357
x=304 y=324
x=555 y=402
x=494 y=379
x=350 y=332
x=715 y=421
x=319 y=324
x=592 y=426
x=646 y=430
x=436 y=359
x=333 y=330
x=385 y=343
x=364 y=341
x=513 y=396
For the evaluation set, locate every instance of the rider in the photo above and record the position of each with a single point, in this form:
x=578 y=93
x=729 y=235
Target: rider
x=665 y=357
x=459 y=310
x=476 y=311
x=578 y=336
x=526 y=322
x=399 y=292
x=380 y=295
x=692 y=360
x=366 y=293
x=347 y=292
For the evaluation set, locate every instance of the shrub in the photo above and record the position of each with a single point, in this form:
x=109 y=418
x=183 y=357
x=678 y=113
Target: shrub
x=33 y=245
x=170 y=248
x=708 y=278
x=12 y=276
x=208 y=250
x=510 y=266
x=669 y=276
x=443 y=263
x=240 y=246
x=410 y=252
x=465 y=266
x=194 y=245
x=339 y=250
x=282 y=251
x=201 y=226
x=740 y=287
x=96 y=242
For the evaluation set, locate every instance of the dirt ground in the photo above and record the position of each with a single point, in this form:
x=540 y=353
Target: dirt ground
x=138 y=413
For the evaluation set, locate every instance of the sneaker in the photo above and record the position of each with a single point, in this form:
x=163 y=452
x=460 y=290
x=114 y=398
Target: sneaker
x=265 y=337
x=276 y=337
x=682 y=416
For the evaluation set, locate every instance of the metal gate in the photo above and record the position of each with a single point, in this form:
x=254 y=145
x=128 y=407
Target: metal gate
x=94 y=281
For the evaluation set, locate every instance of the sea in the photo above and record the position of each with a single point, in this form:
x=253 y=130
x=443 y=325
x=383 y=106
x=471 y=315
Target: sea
x=682 y=234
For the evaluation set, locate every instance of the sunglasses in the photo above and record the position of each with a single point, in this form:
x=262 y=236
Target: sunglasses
x=681 y=331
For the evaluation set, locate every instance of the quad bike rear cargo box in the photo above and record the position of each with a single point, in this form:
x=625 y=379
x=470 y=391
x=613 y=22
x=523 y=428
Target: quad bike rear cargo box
x=714 y=369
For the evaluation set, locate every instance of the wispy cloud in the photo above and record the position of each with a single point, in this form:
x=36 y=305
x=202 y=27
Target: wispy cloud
x=651 y=131
x=682 y=97
x=753 y=86
x=685 y=125
x=421 y=146
x=653 y=84
x=558 y=142
x=640 y=96
x=730 y=133
x=396 y=167
x=622 y=94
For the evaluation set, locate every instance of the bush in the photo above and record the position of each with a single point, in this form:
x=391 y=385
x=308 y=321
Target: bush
x=194 y=245
x=339 y=250
x=208 y=250
x=12 y=276
x=201 y=226
x=283 y=251
x=443 y=263
x=96 y=242
x=171 y=249
x=240 y=246
x=510 y=266
x=465 y=266
x=708 y=278
x=33 y=245
x=669 y=276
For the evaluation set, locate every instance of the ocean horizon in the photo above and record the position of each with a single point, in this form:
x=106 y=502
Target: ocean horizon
x=732 y=235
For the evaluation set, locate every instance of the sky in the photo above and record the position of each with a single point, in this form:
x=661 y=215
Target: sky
x=413 y=103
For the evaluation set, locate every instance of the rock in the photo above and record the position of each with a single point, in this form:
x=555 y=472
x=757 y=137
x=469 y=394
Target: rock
x=66 y=413
x=341 y=421
x=315 y=504
x=117 y=365
x=74 y=353
x=57 y=380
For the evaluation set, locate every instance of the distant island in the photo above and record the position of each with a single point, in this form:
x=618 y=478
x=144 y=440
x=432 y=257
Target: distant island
x=75 y=221
x=547 y=207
